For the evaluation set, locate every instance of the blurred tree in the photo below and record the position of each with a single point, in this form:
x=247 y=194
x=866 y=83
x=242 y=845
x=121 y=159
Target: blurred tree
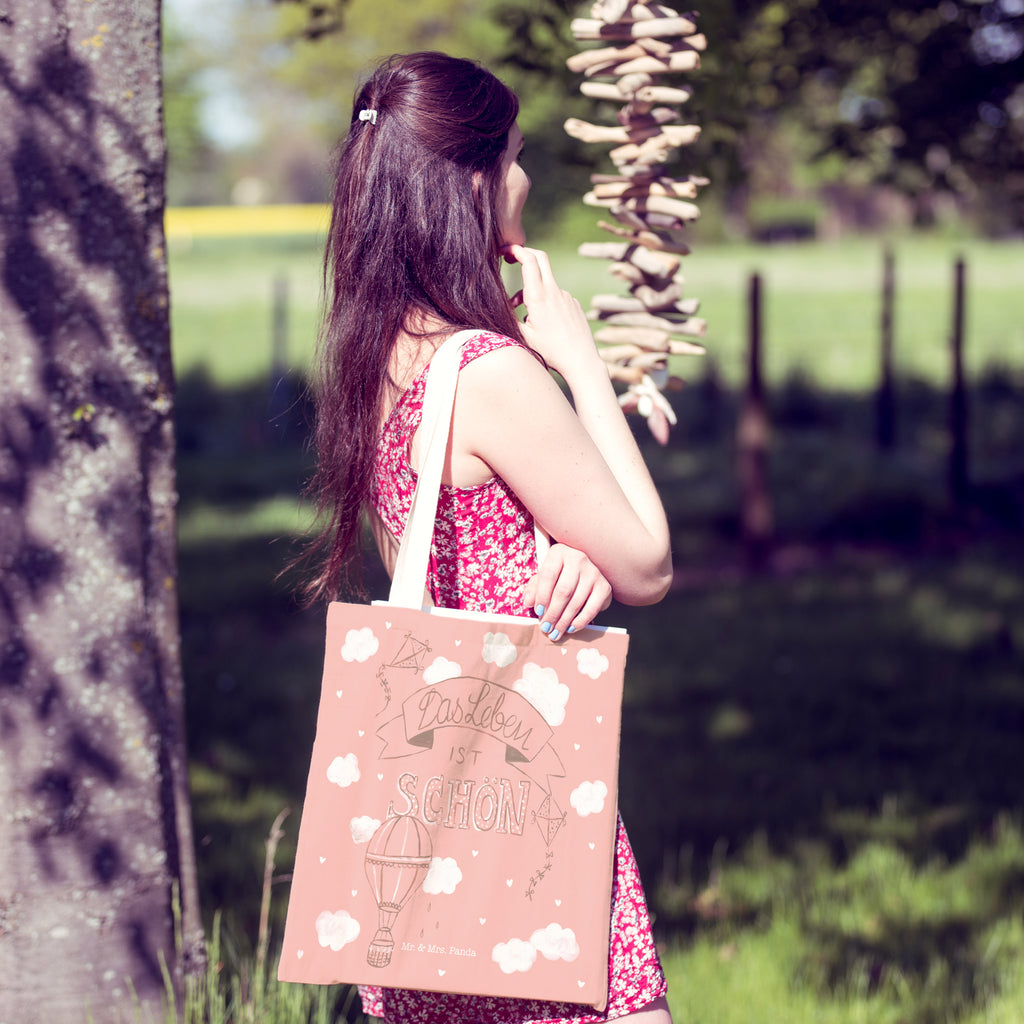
x=189 y=149
x=93 y=779
x=332 y=43
x=920 y=94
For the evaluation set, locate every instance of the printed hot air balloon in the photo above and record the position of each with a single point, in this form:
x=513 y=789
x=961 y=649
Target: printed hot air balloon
x=397 y=860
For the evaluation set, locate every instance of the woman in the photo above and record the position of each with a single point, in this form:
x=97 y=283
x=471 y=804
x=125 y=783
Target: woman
x=428 y=199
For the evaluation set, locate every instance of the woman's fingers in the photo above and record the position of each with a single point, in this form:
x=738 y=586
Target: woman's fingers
x=555 y=325
x=536 y=268
x=568 y=591
x=598 y=601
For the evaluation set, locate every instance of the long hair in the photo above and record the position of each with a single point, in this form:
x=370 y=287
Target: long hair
x=413 y=239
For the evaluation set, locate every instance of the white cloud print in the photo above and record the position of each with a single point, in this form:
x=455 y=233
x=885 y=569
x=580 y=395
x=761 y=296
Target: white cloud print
x=443 y=875
x=556 y=943
x=343 y=771
x=337 y=929
x=360 y=644
x=588 y=798
x=362 y=828
x=591 y=662
x=441 y=669
x=514 y=955
x=498 y=650
x=540 y=686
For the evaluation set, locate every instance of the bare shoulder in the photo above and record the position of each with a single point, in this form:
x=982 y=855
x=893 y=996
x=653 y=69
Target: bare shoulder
x=505 y=372
x=507 y=403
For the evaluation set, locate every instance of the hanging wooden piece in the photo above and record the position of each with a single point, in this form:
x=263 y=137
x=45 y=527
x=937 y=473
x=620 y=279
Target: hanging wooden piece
x=640 y=41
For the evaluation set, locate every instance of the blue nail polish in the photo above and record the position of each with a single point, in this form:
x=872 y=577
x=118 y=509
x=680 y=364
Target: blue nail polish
x=554 y=635
x=538 y=610
x=571 y=629
x=545 y=627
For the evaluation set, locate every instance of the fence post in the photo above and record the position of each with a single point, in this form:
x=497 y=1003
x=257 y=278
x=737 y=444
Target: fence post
x=958 y=469
x=752 y=442
x=885 y=399
x=280 y=398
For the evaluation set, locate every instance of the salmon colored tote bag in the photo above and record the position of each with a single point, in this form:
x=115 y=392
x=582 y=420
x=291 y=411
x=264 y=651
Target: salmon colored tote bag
x=458 y=829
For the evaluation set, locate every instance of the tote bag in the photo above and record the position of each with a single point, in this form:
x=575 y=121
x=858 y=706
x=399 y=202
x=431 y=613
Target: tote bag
x=458 y=830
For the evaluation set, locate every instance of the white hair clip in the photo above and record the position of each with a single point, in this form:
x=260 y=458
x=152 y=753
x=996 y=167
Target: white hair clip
x=368 y=115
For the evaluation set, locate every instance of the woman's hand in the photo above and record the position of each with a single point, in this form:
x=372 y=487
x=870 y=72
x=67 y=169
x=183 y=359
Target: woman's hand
x=567 y=592
x=555 y=326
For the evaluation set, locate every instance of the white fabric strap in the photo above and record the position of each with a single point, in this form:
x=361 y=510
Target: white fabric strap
x=409 y=581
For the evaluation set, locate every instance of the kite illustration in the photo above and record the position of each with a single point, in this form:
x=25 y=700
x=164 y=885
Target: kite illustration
x=411 y=654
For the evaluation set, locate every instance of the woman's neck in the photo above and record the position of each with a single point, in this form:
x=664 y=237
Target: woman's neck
x=413 y=348
x=414 y=345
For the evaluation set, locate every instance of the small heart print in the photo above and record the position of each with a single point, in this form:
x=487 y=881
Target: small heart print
x=362 y=732
x=591 y=845
x=441 y=972
x=354 y=891
x=600 y=718
x=558 y=903
x=564 y=652
x=476 y=853
x=299 y=953
x=581 y=983
x=322 y=859
x=387 y=625
x=380 y=776
x=508 y=882
x=483 y=920
x=576 y=745
x=458 y=643
x=338 y=693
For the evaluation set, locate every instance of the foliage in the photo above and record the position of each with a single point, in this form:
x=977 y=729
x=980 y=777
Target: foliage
x=793 y=96
x=188 y=148
x=917 y=94
x=521 y=42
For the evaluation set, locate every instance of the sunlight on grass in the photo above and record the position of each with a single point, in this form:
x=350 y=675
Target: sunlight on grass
x=222 y=305
x=877 y=940
x=274 y=517
x=750 y=979
x=821 y=305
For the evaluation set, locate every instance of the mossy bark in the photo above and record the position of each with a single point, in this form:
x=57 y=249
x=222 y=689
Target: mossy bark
x=94 y=817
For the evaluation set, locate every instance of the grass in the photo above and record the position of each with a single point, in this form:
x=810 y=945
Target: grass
x=820 y=762
x=822 y=305
x=877 y=940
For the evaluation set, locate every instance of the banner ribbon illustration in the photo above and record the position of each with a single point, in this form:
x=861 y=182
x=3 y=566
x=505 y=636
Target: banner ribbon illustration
x=487 y=709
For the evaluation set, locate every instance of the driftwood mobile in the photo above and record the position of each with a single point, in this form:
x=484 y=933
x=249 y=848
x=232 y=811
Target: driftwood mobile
x=645 y=42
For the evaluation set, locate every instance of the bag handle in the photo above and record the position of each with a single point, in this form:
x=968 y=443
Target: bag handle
x=410 y=577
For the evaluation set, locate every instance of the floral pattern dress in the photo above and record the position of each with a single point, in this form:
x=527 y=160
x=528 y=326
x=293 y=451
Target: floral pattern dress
x=482 y=557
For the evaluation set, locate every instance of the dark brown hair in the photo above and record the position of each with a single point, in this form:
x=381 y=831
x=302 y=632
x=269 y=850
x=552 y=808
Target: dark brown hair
x=412 y=235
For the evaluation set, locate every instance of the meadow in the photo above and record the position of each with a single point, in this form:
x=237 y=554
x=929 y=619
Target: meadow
x=821 y=761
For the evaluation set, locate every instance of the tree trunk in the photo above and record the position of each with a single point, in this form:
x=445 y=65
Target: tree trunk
x=95 y=825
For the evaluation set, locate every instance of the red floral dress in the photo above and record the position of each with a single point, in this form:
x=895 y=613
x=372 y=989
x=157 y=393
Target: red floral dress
x=482 y=557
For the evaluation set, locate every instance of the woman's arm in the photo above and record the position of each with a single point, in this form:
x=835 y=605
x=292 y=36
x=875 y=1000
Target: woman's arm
x=579 y=472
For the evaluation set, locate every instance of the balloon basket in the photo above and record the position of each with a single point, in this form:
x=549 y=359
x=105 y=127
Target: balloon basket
x=379 y=953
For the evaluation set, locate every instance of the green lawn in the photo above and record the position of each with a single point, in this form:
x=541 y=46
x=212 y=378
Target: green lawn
x=822 y=305
x=821 y=762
